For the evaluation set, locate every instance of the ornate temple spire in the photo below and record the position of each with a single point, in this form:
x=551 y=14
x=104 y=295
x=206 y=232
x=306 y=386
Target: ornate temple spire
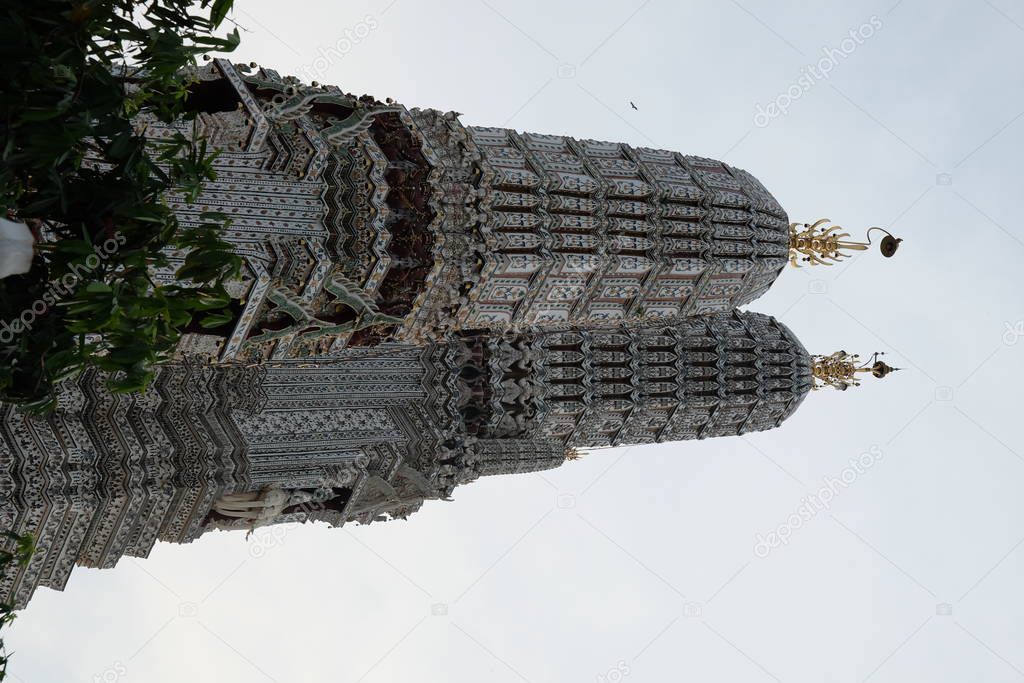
x=423 y=304
x=819 y=244
x=840 y=370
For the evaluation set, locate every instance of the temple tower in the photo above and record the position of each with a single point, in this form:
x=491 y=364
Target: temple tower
x=720 y=375
x=362 y=222
x=423 y=304
x=367 y=434
x=568 y=232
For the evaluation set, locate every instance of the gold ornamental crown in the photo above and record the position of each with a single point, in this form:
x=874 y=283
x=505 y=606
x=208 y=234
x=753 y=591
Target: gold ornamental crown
x=817 y=245
x=840 y=370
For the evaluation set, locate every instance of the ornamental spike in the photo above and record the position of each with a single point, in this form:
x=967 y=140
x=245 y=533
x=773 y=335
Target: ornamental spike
x=840 y=370
x=818 y=244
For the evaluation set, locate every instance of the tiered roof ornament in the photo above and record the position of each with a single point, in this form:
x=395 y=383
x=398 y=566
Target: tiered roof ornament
x=820 y=244
x=823 y=244
x=841 y=370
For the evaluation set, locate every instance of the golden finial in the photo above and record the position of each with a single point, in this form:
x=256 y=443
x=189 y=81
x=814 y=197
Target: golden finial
x=572 y=453
x=840 y=370
x=824 y=246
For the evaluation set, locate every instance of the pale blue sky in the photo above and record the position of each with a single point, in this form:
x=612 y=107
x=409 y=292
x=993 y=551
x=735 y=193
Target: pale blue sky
x=642 y=560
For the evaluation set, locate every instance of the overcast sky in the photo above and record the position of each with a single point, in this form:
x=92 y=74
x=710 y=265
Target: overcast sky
x=642 y=564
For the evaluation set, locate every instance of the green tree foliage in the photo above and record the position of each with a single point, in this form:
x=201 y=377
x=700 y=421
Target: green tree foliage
x=20 y=554
x=73 y=76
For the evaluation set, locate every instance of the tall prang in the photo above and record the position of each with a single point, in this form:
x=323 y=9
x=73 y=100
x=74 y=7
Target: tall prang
x=367 y=434
x=423 y=304
x=362 y=221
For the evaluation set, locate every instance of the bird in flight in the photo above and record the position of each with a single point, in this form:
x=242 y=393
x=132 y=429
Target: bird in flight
x=634 y=106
